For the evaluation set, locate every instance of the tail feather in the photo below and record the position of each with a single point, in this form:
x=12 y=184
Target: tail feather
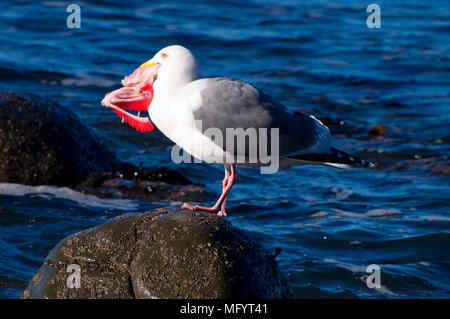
x=335 y=158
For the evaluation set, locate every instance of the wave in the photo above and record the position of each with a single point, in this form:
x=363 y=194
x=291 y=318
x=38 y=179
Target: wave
x=50 y=192
x=380 y=212
x=356 y=269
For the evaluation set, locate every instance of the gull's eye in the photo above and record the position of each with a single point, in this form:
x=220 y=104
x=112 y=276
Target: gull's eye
x=164 y=55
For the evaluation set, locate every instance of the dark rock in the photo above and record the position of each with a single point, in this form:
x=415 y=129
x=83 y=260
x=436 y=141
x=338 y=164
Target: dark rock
x=160 y=254
x=43 y=143
x=137 y=175
x=153 y=184
x=378 y=130
x=148 y=191
x=162 y=174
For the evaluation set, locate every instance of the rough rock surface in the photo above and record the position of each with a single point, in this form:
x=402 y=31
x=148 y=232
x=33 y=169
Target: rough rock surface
x=160 y=254
x=42 y=143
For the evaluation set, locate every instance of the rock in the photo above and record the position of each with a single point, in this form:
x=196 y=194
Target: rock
x=160 y=254
x=149 y=191
x=378 y=130
x=162 y=174
x=137 y=175
x=43 y=143
x=153 y=184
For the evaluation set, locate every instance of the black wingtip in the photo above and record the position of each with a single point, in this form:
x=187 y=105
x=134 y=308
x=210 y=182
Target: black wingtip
x=335 y=156
x=346 y=158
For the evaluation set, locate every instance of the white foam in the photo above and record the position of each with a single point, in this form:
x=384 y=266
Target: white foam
x=356 y=269
x=371 y=213
x=349 y=267
x=382 y=212
x=437 y=218
x=49 y=192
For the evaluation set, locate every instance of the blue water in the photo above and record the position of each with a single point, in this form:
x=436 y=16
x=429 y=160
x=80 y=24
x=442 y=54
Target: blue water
x=319 y=57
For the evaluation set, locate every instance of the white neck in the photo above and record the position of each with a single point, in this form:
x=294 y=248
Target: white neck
x=168 y=86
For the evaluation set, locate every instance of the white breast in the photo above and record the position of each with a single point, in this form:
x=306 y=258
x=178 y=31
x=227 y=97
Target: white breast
x=172 y=115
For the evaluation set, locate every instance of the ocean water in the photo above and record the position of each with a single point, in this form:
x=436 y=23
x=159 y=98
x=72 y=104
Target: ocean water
x=316 y=56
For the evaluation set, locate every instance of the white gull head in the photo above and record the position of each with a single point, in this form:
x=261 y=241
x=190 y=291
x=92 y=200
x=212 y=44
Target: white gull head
x=178 y=66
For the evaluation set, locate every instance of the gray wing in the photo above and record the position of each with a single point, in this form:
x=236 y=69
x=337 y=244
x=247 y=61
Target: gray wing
x=230 y=103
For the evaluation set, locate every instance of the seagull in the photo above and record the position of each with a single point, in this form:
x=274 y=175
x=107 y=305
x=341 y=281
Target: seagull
x=185 y=107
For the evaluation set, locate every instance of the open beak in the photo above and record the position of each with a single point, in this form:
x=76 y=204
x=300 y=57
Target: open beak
x=135 y=95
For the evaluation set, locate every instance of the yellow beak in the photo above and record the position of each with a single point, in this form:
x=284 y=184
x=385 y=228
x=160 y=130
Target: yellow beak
x=147 y=64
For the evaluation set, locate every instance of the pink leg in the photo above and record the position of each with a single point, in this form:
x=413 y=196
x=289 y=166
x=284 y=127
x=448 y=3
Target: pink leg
x=219 y=207
x=222 y=212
